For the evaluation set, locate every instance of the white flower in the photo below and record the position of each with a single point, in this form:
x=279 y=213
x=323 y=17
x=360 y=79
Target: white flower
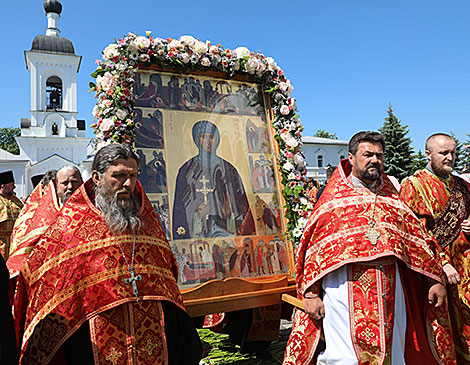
x=297 y=232
x=110 y=52
x=302 y=221
x=288 y=166
x=144 y=57
x=214 y=49
x=251 y=65
x=261 y=67
x=291 y=176
x=175 y=44
x=271 y=63
x=184 y=57
x=284 y=86
x=95 y=110
x=284 y=110
x=106 y=82
x=200 y=47
x=289 y=139
x=187 y=40
x=121 y=114
x=205 y=61
x=303 y=201
x=298 y=159
x=142 y=43
x=242 y=52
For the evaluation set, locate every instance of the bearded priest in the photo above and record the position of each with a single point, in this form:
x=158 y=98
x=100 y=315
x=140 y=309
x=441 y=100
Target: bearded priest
x=101 y=284
x=366 y=274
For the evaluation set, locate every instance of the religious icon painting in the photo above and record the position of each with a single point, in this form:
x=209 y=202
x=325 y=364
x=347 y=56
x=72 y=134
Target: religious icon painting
x=149 y=128
x=270 y=255
x=160 y=205
x=205 y=143
x=268 y=215
x=262 y=173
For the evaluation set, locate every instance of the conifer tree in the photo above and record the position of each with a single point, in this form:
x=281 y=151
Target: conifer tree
x=398 y=152
x=460 y=154
x=419 y=161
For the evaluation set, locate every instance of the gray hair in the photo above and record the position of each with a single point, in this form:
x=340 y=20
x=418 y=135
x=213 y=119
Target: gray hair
x=68 y=167
x=108 y=155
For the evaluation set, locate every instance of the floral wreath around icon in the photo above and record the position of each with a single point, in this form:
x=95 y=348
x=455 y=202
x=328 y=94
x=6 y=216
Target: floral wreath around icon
x=113 y=113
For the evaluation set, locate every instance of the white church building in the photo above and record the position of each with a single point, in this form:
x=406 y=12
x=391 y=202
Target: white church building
x=321 y=153
x=53 y=136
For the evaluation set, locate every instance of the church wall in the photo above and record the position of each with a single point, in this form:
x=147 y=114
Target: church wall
x=331 y=156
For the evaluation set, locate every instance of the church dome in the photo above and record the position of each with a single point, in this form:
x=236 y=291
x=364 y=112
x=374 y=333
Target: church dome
x=53 y=44
x=52 y=6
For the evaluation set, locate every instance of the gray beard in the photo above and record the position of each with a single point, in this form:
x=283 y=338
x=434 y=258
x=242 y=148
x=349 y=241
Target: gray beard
x=118 y=214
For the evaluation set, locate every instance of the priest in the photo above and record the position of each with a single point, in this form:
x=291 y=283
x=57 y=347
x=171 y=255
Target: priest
x=10 y=207
x=101 y=284
x=366 y=274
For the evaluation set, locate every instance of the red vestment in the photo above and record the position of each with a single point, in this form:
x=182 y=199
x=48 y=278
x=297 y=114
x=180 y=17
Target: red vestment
x=39 y=212
x=334 y=237
x=427 y=195
x=77 y=273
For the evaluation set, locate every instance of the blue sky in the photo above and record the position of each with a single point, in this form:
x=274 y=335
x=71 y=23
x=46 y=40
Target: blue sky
x=346 y=59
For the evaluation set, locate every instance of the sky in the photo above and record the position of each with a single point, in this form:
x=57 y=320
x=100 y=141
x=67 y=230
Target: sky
x=347 y=60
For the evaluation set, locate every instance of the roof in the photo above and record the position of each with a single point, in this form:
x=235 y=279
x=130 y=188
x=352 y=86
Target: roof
x=52 y=44
x=320 y=140
x=5 y=155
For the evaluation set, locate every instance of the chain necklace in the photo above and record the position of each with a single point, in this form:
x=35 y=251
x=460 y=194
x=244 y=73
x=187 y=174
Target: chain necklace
x=132 y=278
x=372 y=234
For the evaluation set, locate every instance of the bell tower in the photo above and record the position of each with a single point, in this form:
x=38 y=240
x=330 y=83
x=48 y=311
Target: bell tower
x=53 y=127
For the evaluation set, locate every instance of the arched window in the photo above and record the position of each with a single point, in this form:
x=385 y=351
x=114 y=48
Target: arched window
x=53 y=93
x=320 y=160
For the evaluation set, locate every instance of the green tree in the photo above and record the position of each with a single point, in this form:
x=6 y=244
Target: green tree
x=8 y=141
x=460 y=154
x=324 y=134
x=398 y=153
x=419 y=161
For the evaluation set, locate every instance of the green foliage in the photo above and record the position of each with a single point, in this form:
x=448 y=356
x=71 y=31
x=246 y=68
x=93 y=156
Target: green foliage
x=398 y=152
x=419 y=161
x=218 y=349
x=461 y=155
x=324 y=134
x=8 y=141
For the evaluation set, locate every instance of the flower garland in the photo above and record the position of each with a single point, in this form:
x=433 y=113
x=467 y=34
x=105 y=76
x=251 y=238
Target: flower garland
x=113 y=112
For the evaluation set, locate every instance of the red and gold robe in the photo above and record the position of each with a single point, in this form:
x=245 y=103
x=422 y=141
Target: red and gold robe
x=10 y=208
x=77 y=273
x=427 y=195
x=39 y=212
x=334 y=237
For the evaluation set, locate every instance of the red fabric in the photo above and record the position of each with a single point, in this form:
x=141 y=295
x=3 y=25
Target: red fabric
x=427 y=196
x=39 y=213
x=335 y=236
x=77 y=271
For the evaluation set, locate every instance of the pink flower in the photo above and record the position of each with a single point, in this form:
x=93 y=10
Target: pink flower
x=106 y=124
x=289 y=154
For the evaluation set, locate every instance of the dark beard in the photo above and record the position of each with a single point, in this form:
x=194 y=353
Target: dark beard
x=371 y=175
x=119 y=214
x=442 y=171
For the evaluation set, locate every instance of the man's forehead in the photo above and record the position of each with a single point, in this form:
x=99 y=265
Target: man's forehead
x=68 y=173
x=366 y=146
x=123 y=164
x=442 y=143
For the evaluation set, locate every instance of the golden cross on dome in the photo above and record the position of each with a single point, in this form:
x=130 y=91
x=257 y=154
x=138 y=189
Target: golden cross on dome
x=205 y=190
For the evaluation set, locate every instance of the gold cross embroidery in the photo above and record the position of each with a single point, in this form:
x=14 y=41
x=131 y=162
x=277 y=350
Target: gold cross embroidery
x=149 y=347
x=205 y=190
x=113 y=356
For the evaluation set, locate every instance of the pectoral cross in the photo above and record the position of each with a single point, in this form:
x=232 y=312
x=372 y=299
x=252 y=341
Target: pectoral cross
x=205 y=190
x=372 y=234
x=132 y=280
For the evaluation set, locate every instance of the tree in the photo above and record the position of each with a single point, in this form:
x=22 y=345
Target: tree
x=398 y=153
x=8 y=141
x=460 y=154
x=324 y=134
x=419 y=161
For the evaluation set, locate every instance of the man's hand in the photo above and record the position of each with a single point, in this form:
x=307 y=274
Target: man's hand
x=315 y=308
x=437 y=295
x=452 y=275
x=466 y=226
